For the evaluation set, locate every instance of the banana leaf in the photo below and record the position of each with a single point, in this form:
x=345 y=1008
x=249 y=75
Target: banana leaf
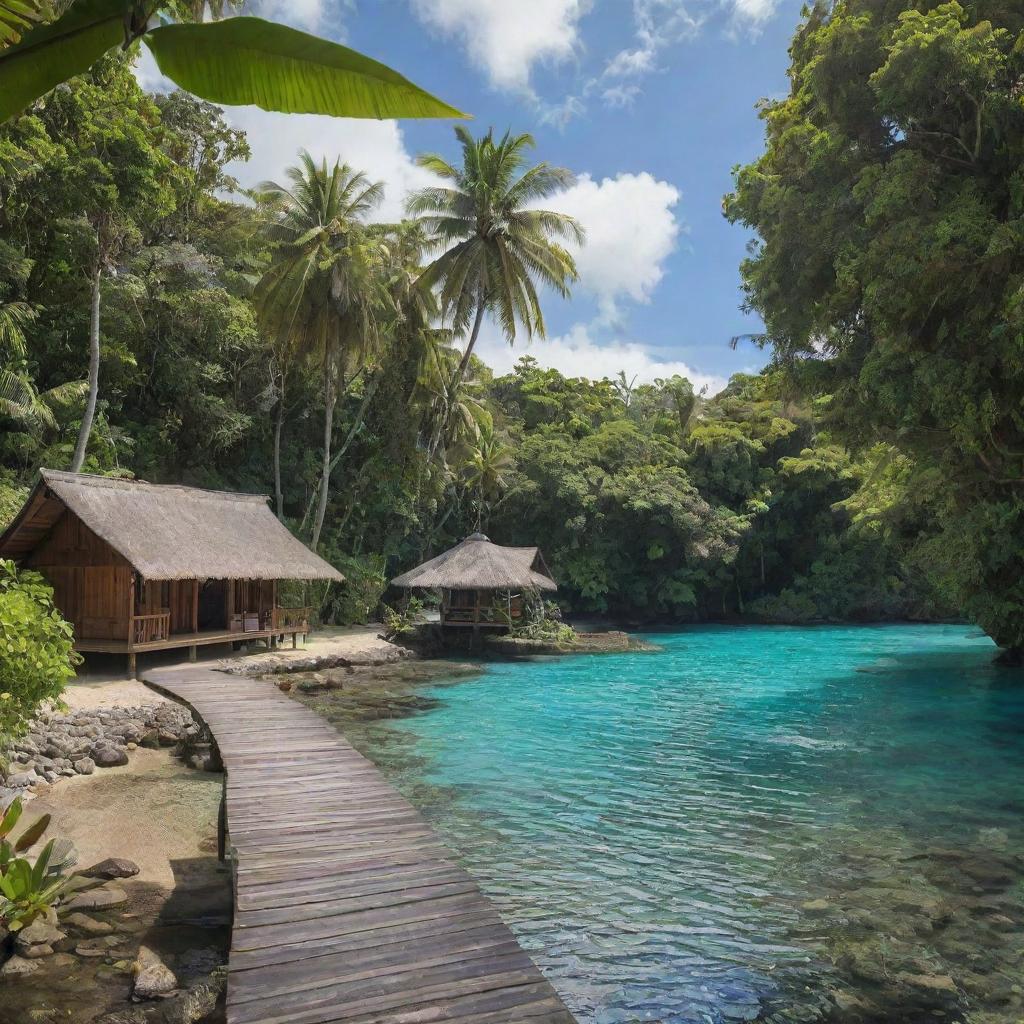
x=252 y=61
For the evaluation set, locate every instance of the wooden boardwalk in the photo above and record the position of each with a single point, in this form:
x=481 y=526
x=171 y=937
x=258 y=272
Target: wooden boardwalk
x=347 y=906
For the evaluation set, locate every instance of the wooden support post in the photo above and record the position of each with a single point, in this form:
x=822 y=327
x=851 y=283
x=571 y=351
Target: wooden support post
x=131 y=665
x=195 y=607
x=192 y=652
x=222 y=822
x=295 y=641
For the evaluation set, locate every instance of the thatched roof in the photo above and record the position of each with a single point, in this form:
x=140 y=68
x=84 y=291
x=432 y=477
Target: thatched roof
x=167 y=532
x=477 y=564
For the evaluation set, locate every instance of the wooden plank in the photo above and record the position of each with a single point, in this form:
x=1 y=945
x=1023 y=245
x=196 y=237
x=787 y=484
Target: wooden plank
x=348 y=907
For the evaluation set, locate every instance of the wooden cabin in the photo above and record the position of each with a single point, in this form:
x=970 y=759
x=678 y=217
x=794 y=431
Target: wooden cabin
x=139 y=567
x=483 y=585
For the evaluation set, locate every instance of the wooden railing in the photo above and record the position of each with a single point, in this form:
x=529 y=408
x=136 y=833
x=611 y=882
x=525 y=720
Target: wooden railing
x=284 y=620
x=148 y=628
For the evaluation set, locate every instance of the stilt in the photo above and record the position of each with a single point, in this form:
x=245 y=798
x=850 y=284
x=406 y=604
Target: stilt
x=131 y=666
x=295 y=641
x=222 y=823
x=192 y=652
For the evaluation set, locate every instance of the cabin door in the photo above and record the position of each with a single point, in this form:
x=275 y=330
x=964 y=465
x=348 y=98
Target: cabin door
x=213 y=605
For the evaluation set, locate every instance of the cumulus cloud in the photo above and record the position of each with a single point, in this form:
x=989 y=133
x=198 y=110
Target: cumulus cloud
x=578 y=354
x=505 y=38
x=631 y=231
x=376 y=147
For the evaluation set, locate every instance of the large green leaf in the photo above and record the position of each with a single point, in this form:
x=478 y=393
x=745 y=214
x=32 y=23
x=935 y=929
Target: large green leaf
x=51 y=54
x=251 y=61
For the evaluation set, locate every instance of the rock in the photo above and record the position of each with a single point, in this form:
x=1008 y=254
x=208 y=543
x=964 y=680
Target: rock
x=195 y=1004
x=151 y=739
x=131 y=746
x=153 y=978
x=35 y=952
x=85 y=766
x=93 y=899
x=17 y=966
x=930 y=982
x=100 y=946
x=132 y=1016
x=108 y=756
x=63 y=960
x=112 y=867
x=21 y=780
x=39 y=932
x=816 y=906
x=167 y=738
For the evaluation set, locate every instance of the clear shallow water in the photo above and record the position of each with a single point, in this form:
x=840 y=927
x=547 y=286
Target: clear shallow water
x=754 y=824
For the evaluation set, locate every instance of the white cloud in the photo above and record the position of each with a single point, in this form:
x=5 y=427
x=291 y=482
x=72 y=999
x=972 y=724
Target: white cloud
x=619 y=96
x=376 y=147
x=631 y=230
x=659 y=24
x=505 y=38
x=307 y=15
x=751 y=15
x=577 y=354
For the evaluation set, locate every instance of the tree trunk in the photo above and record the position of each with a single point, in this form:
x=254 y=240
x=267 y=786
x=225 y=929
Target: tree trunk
x=278 y=494
x=330 y=397
x=94 y=376
x=481 y=307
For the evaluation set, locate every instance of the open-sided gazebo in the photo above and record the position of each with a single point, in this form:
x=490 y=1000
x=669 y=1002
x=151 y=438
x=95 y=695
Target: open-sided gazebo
x=144 y=567
x=482 y=584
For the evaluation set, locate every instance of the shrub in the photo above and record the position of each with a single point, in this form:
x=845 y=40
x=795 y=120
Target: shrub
x=30 y=888
x=398 y=623
x=36 y=653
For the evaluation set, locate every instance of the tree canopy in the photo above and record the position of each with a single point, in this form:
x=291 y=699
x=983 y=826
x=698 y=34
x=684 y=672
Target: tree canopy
x=889 y=211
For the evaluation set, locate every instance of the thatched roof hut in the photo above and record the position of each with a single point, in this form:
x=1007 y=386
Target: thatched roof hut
x=141 y=567
x=168 y=532
x=478 y=564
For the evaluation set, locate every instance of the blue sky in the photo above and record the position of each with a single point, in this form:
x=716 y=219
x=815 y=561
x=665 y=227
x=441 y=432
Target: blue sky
x=650 y=102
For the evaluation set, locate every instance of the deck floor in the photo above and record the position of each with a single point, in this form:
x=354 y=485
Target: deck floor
x=347 y=905
x=176 y=640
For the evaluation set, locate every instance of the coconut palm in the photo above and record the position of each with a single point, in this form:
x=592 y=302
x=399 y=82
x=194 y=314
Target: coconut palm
x=323 y=295
x=496 y=247
x=487 y=461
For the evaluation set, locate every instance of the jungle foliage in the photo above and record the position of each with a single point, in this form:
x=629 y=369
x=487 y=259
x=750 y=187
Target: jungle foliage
x=291 y=331
x=889 y=271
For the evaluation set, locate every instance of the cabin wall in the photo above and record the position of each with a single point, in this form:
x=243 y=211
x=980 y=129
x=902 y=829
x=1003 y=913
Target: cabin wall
x=91 y=582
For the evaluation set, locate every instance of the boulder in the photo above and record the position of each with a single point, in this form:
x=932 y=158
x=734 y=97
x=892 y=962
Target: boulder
x=112 y=867
x=106 y=755
x=195 y=1004
x=153 y=978
x=85 y=766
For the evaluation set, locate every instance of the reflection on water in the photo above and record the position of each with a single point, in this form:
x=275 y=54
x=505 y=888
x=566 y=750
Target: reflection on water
x=756 y=824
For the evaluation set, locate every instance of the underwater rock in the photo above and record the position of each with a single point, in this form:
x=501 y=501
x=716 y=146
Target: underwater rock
x=38 y=933
x=153 y=978
x=17 y=966
x=89 y=925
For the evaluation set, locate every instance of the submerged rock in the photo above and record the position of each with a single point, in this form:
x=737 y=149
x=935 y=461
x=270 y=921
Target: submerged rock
x=89 y=925
x=153 y=978
x=17 y=966
x=105 y=896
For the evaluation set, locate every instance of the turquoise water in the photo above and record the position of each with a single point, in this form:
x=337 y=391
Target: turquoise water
x=752 y=824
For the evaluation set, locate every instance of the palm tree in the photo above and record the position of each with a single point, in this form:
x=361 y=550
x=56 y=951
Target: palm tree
x=323 y=294
x=487 y=461
x=497 y=248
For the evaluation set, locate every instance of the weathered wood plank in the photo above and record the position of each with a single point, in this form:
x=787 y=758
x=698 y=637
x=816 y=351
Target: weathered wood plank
x=348 y=907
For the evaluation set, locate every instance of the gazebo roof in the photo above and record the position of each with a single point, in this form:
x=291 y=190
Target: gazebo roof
x=478 y=564
x=166 y=531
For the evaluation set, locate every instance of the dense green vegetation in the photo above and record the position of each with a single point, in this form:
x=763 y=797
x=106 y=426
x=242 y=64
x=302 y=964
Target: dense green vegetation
x=287 y=343
x=890 y=207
